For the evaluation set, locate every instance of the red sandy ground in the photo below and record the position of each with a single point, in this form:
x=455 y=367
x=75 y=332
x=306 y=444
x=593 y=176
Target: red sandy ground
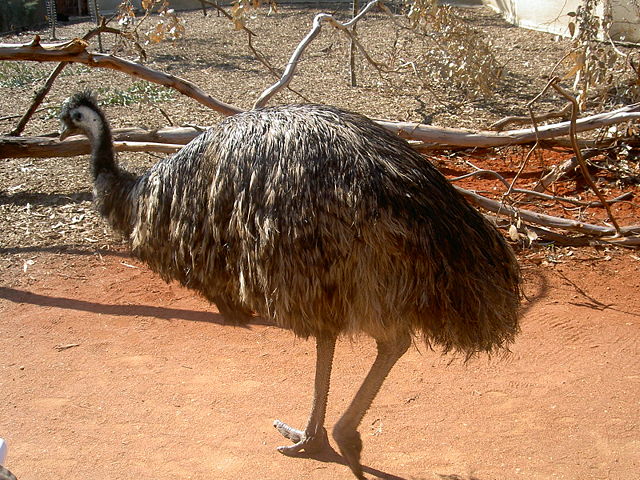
x=109 y=373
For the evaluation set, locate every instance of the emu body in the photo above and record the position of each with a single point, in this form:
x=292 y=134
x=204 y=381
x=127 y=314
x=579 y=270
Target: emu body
x=323 y=222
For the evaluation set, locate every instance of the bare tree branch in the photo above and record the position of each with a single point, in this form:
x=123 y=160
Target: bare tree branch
x=42 y=93
x=583 y=165
x=517 y=120
x=546 y=220
x=442 y=137
x=533 y=193
x=302 y=46
x=76 y=51
x=470 y=138
x=127 y=139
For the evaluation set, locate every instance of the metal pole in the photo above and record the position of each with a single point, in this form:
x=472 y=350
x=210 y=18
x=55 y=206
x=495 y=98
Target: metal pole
x=95 y=15
x=352 y=53
x=51 y=13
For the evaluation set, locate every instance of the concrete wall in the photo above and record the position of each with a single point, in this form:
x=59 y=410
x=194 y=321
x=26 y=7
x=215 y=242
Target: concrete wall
x=551 y=16
x=626 y=20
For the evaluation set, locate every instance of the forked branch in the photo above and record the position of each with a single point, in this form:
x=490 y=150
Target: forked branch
x=76 y=51
x=290 y=69
x=576 y=149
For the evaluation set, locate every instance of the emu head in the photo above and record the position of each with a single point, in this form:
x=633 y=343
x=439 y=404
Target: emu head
x=80 y=114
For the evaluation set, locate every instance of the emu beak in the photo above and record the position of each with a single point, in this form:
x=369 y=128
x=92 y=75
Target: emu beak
x=67 y=132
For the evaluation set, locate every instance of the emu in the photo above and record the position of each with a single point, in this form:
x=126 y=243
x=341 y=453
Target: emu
x=324 y=223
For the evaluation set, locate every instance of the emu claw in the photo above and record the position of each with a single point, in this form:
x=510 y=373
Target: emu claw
x=309 y=442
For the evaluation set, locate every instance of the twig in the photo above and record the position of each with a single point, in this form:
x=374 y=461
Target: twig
x=76 y=51
x=295 y=57
x=352 y=47
x=165 y=115
x=575 y=241
x=534 y=123
x=533 y=193
x=544 y=219
x=227 y=15
x=500 y=124
x=42 y=93
x=11 y=117
x=576 y=148
x=67 y=346
x=263 y=59
x=256 y=53
x=562 y=169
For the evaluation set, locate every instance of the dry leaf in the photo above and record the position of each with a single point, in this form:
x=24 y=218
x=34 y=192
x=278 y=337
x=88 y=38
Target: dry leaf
x=513 y=233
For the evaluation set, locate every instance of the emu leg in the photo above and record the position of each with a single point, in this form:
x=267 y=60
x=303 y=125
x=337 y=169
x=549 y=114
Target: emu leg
x=314 y=437
x=345 y=431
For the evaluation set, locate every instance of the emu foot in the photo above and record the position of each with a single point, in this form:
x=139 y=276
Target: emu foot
x=310 y=442
x=350 y=446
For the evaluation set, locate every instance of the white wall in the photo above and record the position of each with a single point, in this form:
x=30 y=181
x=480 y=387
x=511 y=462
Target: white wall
x=551 y=16
x=626 y=21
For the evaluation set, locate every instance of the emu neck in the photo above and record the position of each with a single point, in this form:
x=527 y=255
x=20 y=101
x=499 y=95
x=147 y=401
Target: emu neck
x=112 y=186
x=103 y=158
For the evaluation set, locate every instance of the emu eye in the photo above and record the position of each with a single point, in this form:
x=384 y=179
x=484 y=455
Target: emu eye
x=77 y=116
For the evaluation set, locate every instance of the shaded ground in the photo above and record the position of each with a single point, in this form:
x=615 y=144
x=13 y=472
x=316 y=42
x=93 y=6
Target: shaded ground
x=108 y=373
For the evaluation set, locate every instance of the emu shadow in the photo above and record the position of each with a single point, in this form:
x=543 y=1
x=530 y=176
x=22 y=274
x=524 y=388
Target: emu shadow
x=329 y=455
x=46 y=199
x=535 y=289
x=589 y=301
x=166 y=313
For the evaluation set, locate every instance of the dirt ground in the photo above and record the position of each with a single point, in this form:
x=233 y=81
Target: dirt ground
x=109 y=373
x=106 y=372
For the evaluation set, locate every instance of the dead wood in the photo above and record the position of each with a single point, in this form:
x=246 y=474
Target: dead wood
x=126 y=139
x=559 y=171
x=76 y=51
x=42 y=93
x=604 y=233
x=517 y=120
x=576 y=149
x=290 y=69
x=453 y=137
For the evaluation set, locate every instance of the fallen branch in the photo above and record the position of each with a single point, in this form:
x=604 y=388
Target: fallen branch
x=574 y=241
x=436 y=137
x=126 y=140
x=517 y=120
x=537 y=194
x=42 y=93
x=546 y=220
x=463 y=138
x=76 y=51
x=559 y=171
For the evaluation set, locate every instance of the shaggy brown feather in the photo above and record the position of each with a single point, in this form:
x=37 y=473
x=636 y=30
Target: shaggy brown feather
x=323 y=222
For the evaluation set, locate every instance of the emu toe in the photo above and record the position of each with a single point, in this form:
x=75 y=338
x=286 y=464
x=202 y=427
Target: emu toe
x=350 y=445
x=309 y=442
